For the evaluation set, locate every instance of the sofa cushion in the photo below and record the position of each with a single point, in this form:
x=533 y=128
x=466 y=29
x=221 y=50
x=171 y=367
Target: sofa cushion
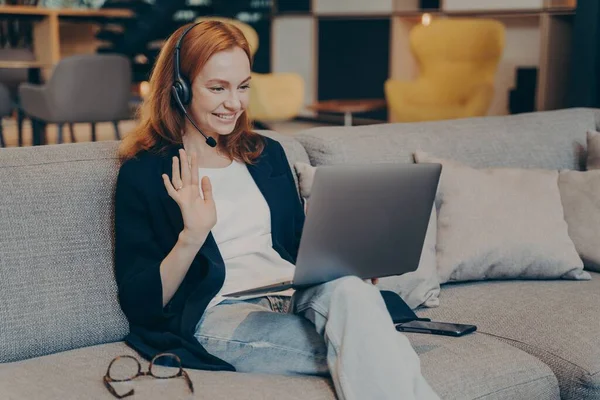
x=580 y=195
x=501 y=223
x=555 y=321
x=548 y=140
x=477 y=366
x=474 y=367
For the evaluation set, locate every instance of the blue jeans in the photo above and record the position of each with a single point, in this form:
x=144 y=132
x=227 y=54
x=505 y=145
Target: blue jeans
x=340 y=329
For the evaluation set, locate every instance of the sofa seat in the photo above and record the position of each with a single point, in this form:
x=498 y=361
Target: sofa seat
x=555 y=321
x=474 y=367
x=77 y=374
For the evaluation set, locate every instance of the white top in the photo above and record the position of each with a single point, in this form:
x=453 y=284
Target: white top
x=243 y=232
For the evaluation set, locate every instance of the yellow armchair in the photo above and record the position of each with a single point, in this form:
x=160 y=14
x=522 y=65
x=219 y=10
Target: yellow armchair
x=457 y=60
x=275 y=96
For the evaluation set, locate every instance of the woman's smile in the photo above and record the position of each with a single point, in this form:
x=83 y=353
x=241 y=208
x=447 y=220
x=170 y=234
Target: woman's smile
x=226 y=117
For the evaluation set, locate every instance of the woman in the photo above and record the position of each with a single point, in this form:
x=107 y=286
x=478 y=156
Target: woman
x=193 y=221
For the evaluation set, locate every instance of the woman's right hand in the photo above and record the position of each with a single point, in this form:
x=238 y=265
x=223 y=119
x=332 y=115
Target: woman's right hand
x=199 y=214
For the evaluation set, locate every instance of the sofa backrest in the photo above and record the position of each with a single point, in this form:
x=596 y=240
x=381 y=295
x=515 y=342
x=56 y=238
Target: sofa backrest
x=550 y=140
x=57 y=287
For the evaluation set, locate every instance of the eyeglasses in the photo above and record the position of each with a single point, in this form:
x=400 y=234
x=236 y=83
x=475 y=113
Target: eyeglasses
x=127 y=368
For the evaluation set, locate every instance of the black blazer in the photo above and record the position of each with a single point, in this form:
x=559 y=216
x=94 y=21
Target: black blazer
x=147 y=225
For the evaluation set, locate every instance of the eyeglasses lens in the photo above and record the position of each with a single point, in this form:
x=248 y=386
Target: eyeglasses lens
x=165 y=366
x=123 y=369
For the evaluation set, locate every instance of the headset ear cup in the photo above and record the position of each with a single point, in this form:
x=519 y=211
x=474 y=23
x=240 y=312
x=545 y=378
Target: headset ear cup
x=185 y=92
x=182 y=92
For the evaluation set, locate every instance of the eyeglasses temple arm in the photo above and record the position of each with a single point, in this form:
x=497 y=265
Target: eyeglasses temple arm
x=114 y=392
x=188 y=380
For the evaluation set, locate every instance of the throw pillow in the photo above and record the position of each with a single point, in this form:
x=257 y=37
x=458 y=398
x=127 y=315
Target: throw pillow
x=593 y=149
x=580 y=195
x=501 y=223
x=417 y=288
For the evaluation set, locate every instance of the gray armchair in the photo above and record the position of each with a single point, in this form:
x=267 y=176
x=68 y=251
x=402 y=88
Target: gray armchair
x=6 y=107
x=87 y=88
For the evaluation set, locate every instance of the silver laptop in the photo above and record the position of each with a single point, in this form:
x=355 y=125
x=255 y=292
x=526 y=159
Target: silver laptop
x=364 y=220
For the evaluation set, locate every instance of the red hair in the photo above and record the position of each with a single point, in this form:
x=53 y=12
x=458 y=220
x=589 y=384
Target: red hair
x=162 y=123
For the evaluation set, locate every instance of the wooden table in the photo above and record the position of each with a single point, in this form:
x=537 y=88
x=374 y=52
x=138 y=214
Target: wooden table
x=348 y=107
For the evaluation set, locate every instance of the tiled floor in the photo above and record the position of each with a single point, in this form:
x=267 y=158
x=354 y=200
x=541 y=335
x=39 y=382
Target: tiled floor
x=105 y=131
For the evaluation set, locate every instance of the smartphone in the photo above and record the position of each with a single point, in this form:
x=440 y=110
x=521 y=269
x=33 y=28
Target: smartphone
x=436 y=328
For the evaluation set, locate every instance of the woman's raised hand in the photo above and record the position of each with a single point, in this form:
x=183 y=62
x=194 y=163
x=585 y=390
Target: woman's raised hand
x=199 y=214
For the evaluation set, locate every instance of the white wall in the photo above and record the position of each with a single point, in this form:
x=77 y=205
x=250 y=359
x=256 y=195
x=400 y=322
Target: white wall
x=402 y=63
x=293 y=50
x=522 y=50
x=406 y=5
x=352 y=6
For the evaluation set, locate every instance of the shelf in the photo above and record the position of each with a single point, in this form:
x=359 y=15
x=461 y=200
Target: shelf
x=508 y=13
x=54 y=32
x=23 y=64
x=65 y=12
x=487 y=13
x=353 y=15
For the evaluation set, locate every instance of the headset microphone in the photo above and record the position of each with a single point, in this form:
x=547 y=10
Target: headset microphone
x=209 y=139
x=181 y=89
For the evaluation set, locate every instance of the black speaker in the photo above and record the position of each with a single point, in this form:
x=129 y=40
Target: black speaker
x=522 y=97
x=429 y=4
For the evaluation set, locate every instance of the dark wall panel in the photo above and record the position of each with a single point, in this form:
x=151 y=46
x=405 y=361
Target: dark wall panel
x=353 y=59
x=293 y=6
x=585 y=60
x=262 y=58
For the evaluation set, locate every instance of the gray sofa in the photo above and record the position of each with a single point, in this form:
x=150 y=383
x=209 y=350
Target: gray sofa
x=60 y=321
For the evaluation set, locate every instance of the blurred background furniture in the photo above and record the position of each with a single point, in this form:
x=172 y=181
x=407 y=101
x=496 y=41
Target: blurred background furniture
x=274 y=96
x=347 y=107
x=61 y=32
x=457 y=60
x=15 y=68
x=6 y=108
x=87 y=88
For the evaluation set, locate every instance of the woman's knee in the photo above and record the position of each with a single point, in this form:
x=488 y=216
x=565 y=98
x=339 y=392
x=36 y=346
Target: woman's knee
x=352 y=286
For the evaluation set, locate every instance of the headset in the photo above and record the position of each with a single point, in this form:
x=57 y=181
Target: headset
x=181 y=88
